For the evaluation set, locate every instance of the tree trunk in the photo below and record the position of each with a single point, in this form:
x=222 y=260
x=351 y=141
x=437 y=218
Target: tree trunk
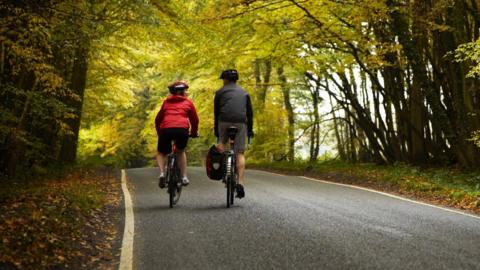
x=290 y=114
x=68 y=151
x=340 y=143
x=262 y=85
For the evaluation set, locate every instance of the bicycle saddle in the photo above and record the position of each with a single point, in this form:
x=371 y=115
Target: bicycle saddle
x=231 y=132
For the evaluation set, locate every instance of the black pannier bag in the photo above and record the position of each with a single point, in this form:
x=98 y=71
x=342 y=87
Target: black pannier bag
x=214 y=163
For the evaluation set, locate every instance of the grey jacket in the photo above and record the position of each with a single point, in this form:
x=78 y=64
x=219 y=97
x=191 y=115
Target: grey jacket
x=233 y=104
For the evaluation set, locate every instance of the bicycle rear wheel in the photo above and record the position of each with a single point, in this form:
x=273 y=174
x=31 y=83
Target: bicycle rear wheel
x=230 y=181
x=178 y=186
x=232 y=190
x=229 y=187
x=233 y=179
x=172 y=191
x=172 y=182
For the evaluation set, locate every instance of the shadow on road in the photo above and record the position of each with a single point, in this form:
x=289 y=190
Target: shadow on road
x=211 y=208
x=186 y=208
x=152 y=208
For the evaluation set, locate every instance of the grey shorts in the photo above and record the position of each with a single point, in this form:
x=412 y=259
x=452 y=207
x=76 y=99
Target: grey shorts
x=240 y=138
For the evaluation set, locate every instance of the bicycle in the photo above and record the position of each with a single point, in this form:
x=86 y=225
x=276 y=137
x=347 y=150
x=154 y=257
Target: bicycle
x=172 y=177
x=230 y=171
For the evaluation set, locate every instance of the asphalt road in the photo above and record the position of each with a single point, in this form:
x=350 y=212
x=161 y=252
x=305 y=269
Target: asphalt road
x=290 y=222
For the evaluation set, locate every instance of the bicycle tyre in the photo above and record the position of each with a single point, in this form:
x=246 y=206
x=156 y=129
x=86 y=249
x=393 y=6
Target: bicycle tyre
x=233 y=178
x=232 y=192
x=171 y=192
x=229 y=180
x=232 y=188
x=229 y=188
x=171 y=182
x=178 y=185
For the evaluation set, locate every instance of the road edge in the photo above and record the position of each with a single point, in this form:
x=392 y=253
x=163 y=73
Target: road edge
x=126 y=256
x=378 y=192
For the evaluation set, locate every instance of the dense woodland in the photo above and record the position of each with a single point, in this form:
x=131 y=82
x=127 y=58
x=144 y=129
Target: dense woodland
x=382 y=81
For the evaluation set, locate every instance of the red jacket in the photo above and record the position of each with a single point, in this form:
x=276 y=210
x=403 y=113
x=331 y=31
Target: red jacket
x=177 y=112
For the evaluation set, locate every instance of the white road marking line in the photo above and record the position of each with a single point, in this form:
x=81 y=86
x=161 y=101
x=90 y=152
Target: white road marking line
x=382 y=193
x=126 y=257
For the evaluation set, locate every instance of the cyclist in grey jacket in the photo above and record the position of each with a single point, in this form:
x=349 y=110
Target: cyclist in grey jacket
x=233 y=107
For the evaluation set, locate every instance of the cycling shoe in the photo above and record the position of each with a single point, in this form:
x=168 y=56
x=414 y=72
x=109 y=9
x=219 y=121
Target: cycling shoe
x=161 y=181
x=240 y=191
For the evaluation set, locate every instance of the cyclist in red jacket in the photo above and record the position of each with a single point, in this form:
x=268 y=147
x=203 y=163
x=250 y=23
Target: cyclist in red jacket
x=173 y=121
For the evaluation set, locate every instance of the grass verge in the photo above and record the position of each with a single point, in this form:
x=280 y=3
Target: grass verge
x=67 y=221
x=442 y=186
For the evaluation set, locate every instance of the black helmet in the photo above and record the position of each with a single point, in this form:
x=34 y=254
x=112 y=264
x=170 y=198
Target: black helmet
x=177 y=86
x=230 y=74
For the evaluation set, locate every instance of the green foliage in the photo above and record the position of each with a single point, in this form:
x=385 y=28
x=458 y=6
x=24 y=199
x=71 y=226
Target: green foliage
x=31 y=91
x=476 y=137
x=470 y=52
x=193 y=48
x=45 y=51
x=378 y=63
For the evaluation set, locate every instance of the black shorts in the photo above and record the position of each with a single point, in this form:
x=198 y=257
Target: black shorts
x=179 y=135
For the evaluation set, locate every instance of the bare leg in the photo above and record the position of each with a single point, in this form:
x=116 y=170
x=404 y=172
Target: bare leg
x=161 y=162
x=182 y=162
x=241 y=167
